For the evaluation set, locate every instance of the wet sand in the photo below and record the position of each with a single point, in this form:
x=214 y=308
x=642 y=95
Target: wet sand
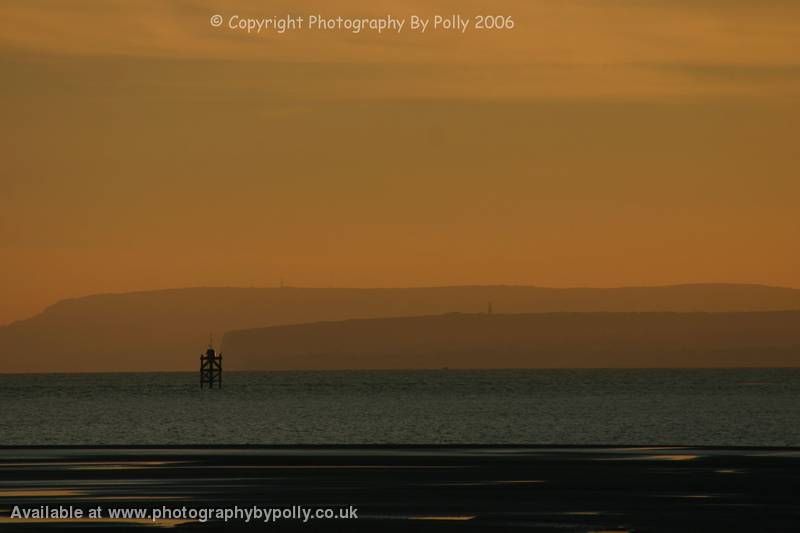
x=415 y=488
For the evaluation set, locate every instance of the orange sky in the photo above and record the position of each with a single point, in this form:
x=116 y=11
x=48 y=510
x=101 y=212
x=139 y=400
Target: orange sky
x=599 y=143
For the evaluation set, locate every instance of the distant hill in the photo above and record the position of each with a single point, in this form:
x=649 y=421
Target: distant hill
x=542 y=340
x=166 y=330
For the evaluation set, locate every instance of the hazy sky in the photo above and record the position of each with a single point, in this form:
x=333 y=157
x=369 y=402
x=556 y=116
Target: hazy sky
x=599 y=143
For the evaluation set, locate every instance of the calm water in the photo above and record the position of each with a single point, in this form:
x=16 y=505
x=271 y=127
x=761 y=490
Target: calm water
x=701 y=407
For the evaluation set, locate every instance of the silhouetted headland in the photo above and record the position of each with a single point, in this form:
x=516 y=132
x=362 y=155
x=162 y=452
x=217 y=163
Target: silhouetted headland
x=540 y=340
x=154 y=331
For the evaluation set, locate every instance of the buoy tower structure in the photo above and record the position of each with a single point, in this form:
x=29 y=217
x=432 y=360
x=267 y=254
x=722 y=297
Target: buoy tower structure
x=211 y=367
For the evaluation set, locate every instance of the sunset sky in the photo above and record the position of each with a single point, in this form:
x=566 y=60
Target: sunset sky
x=599 y=143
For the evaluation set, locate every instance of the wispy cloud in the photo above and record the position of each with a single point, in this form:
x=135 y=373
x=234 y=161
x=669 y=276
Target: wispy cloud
x=570 y=48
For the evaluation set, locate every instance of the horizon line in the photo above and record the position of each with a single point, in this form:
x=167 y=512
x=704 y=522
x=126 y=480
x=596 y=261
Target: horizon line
x=440 y=369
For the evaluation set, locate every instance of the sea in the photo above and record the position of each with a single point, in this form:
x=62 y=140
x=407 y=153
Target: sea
x=730 y=407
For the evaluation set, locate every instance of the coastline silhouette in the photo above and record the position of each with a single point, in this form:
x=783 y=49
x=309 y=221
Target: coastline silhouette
x=153 y=331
